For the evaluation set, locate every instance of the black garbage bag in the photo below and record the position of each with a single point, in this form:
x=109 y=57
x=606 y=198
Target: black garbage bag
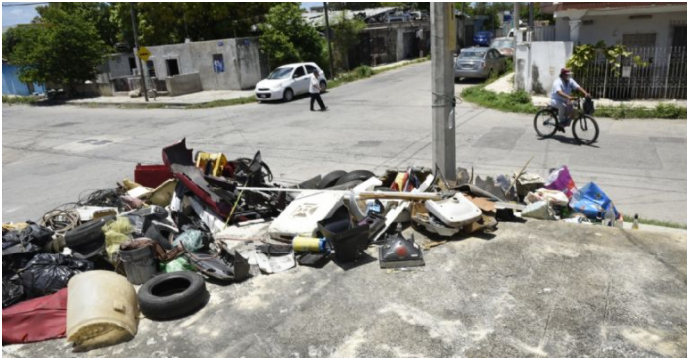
x=12 y=290
x=47 y=273
x=33 y=234
x=20 y=246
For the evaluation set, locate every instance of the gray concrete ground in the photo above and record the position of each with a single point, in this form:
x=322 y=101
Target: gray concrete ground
x=52 y=154
x=540 y=289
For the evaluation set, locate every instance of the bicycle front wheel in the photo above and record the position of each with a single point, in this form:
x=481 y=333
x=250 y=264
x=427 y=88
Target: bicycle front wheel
x=585 y=130
x=545 y=123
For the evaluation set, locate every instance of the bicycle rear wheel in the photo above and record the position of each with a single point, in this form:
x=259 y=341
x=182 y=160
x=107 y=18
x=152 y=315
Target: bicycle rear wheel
x=585 y=129
x=545 y=123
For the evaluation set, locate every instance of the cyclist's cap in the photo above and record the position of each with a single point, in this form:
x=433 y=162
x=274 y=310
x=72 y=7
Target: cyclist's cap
x=565 y=71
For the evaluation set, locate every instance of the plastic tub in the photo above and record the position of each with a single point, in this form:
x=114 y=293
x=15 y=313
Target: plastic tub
x=102 y=309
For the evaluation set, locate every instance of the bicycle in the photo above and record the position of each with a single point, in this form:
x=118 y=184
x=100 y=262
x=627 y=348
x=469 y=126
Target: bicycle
x=585 y=128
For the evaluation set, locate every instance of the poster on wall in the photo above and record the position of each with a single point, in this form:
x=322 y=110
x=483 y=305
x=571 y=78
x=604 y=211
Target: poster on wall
x=218 y=64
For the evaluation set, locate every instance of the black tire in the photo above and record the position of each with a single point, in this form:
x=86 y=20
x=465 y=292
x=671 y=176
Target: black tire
x=172 y=295
x=160 y=233
x=545 y=123
x=330 y=179
x=585 y=130
x=361 y=175
x=288 y=95
x=323 y=85
x=87 y=237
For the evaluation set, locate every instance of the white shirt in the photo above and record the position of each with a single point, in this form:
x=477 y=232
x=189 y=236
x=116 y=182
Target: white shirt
x=566 y=87
x=314 y=85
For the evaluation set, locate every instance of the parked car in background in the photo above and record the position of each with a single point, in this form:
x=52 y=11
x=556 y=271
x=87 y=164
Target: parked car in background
x=479 y=62
x=288 y=81
x=504 y=45
x=483 y=38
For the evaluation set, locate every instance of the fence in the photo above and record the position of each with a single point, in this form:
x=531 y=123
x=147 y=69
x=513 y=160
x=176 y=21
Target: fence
x=664 y=76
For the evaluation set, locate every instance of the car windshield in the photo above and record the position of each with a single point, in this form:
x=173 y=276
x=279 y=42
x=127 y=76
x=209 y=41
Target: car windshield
x=280 y=73
x=502 y=44
x=476 y=54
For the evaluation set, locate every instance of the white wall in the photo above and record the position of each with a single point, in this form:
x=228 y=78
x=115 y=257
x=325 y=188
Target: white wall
x=539 y=63
x=241 y=58
x=611 y=28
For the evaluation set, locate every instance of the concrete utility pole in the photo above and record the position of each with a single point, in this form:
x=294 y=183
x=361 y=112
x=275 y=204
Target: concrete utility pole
x=136 y=44
x=442 y=88
x=328 y=37
x=516 y=33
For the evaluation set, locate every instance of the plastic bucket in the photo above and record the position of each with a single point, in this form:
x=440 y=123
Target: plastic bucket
x=349 y=244
x=140 y=265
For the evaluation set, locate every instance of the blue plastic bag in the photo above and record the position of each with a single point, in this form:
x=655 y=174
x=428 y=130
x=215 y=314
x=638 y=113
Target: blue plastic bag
x=591 y=200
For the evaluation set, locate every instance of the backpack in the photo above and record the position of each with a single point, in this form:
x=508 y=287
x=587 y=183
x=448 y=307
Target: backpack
x=588 y=106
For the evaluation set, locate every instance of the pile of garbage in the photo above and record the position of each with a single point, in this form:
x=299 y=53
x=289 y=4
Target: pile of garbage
x=200 y=217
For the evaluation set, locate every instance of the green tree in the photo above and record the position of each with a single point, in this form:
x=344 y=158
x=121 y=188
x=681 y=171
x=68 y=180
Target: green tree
x=59 y=46
x=172 y=22
x=286 y=37
x=345 y=37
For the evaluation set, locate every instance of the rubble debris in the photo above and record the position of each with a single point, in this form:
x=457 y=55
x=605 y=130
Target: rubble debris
x=223 y=218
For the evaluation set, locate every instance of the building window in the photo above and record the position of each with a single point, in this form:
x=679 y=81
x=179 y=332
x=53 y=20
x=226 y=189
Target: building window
x=639 y=40
x=132 y=64
x=218 y=64
x=173 y=68
x=151 y=68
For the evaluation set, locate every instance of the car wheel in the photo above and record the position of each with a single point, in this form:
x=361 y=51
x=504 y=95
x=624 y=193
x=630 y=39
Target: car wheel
x=330 y=179
x=362 y=175
x=161 y=233
x=323 y=86
x=87 y=237
x=172 y=295
x=288 y=95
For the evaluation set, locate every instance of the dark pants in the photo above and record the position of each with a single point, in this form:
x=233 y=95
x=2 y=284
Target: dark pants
x=317 y=97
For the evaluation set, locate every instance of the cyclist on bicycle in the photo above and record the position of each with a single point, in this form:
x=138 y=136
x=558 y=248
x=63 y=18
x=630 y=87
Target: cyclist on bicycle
x=561 y=97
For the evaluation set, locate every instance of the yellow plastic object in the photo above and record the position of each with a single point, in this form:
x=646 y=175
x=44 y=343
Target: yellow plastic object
x=163 y=194
x=116 y=232
x=14 y=226
x=129 y=185
x=102 y=310
x=218 y=161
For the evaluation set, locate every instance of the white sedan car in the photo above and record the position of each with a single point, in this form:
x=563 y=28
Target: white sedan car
x=288 y=81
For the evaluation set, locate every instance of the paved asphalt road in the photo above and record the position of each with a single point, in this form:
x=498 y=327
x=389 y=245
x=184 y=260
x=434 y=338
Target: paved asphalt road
x=52 y=154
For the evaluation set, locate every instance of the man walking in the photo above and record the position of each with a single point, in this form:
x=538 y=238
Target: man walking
x=315 y=91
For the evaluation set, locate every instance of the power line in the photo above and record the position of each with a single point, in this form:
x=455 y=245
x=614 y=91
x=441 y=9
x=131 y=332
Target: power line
x=25 y=4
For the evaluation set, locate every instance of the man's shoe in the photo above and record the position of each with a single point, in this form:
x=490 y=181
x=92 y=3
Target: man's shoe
x=325 y=109
x=561 y=128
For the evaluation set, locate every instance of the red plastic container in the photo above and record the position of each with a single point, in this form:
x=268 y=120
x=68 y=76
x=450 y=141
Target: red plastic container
x=151 y=175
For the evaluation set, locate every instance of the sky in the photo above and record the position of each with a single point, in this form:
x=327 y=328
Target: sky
x=13 y=15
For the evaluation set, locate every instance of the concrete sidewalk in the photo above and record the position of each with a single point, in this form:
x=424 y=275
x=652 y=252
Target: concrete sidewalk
x=504 y=84
x=538 y=289
x=189 y=99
